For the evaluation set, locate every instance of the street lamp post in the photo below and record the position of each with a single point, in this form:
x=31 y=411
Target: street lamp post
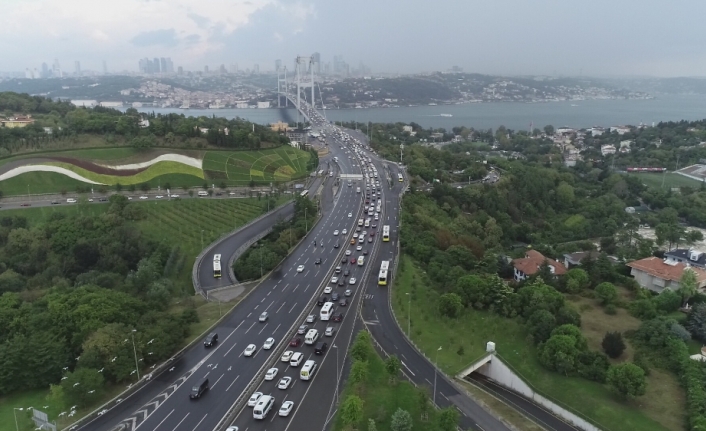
x=409 y=315
x=435 y=371
x=14 y=412
x=134 y=351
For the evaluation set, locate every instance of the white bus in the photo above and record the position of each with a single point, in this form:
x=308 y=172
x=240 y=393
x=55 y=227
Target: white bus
x=217 y=265
x=382 y=277
x=326 y=311
x=399 y=177
x=386 y=233
x=307 y=370
x=304 y=194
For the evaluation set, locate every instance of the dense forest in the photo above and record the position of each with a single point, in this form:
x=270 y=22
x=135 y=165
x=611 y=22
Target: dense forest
x=65 y=121
x=464 y=232
x=76 y=292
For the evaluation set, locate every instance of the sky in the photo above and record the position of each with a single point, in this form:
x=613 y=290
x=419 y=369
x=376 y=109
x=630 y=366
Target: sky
x=505 y=37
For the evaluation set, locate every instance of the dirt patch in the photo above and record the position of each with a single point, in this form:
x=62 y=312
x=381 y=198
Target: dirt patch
x=215 y=175
x=96 y=169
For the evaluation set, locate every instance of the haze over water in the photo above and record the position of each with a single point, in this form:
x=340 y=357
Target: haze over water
x=516 y=116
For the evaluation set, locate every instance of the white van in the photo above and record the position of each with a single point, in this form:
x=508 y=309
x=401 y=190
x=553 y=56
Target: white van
x=70 y=201
x=361 y=261
x=263 y=406
x=202 y=193
x=367 y=222
x=311 y=336
x=308 y=370
x=296 y=359
x=360 y=222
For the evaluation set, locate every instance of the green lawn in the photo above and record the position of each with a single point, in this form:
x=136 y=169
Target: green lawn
x=668 y=180
x=153 y=171
x=381 y=399
x=240 y=167
x=475 y=328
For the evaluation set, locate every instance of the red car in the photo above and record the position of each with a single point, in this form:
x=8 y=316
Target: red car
x=354 y=260
x=372 y=233
x=296 y=342
x=26 y=205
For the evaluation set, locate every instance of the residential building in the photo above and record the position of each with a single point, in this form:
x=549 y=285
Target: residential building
x=407 y=129
x=620 y=129
x=572 y=260
x=16 y=122
x=532 y=262
x=688 y=256
x=607 y=149
x=596 y=131
x=279 y=126
x=263 y=105
x=657 y=274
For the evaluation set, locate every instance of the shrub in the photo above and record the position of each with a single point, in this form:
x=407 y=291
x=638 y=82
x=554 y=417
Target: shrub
x=627 y=380
x=613 y=344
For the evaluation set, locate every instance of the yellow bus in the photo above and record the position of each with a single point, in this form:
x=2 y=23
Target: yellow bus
x=386 y=233
x=384 y=270
x=399 y=177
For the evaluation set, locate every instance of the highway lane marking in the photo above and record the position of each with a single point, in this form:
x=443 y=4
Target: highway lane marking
x=263 y=300
x=255 y=308
x=285 y=287
x=249 y=314
x=253 y=324
x=280 y=307
x=273 y=332
x=165 y=418
x=442 y=394
x=408 y=369
x=236 y=378
x=232 y=347
x=197 y=425
x=263 y=328
x=271 y=304
x=219 y=379
x=428 y=381
x=187 y=415
x=295 y=288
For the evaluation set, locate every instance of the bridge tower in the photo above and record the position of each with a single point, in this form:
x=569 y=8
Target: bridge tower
x=302 y=80
x=282 y=86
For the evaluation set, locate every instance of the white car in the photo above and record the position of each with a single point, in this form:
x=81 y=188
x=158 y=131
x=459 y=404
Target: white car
x=311 y=318
x=329 y=331
x=334 y=280
x=348 y=252
x=263 y=317
x=250 y=350
x=335 y=233
x=271 y=373
x=355 y=235
x=286 y=408
x=70 y=201
x=300 y=268
x=232 y=428
x=253 y=399
x=143 y=197
x=328 y=289
x=359 y=248
x=351 y=280
x=159 y=196
x=350 y=215
x=284 y=382
x=344 y=231
x=173 y=196
x=286 y=356
x=268 y=343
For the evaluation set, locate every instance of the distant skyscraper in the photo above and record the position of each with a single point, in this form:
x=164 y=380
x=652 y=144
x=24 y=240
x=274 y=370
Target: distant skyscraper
x=45 y=70
x=155 y=65
x=77 y=68
x=180 y=70
x=170 y=65
x=105 y=68
x=56 y=69
x=278 y=65
x=316 y=59
x=163 y=65
x=222 y=69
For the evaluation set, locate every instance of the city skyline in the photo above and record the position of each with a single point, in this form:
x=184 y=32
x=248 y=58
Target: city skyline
x=506 y=37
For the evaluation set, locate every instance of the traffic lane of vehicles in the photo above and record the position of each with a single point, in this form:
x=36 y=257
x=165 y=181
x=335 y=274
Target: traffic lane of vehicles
x=254 y=298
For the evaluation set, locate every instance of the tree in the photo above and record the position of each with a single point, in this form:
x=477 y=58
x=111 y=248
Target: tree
x=687 y=284
x=576 y=280
x=82 y=387
x=549 y=130
x=541 y=324
x=613 y=344
x=423 y=401
x=627 y=380
x=371 y=425
x=447 y=419
x=607 y=293
x=361 y=349
x=450 y=305
x=352 y=410
x=401 y=421
x=696 y=322
x=392 y=366
x=359 y=371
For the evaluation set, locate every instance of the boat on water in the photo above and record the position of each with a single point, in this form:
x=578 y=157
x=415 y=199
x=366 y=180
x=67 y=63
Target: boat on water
x=445 y=115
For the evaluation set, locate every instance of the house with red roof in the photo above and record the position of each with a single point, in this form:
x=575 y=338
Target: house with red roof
x=658 y=274
x=530 y=264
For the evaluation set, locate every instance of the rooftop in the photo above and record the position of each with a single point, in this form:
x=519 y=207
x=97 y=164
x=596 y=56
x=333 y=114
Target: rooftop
x=534 y=260
x=657 y=267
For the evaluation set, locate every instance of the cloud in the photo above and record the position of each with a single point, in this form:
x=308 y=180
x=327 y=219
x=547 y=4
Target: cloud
x=166 y=37
x=201 y=21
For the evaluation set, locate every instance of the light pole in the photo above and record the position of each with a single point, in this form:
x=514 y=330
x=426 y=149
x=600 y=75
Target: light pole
x=134 y=351
x=409 y=315
x=14 y=412
x=337 y=372
x=435 y=371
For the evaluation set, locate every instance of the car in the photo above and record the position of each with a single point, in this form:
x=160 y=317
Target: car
x=338 y=268
x=352 y=241
x=359 y=248
x=374 y=225
x=250 y=350
x=210 y=340
x=336 y=245
x=350 y=214
x=302 y=329
x=129 y=198
x=268 y=343
x=341 y=283
x=337 y=317
x=285 y=409
x=90 y=199
x=370 y=239
x=295 y=342
x=287 y=355
x=355 y=235
x=284 y=382
x=264 y=316
x=358 y=229
x=322 y=300
x=348 y=292
x=354 y=260
x=348 y=252
x=343 y=302
x=70 y=201
x=365 y=252
x=103 y=200
x=271 y=373
x=346 y=273
x=372 y=233
x=344 y=232
x=55 y=202
x=300 y=268
x=232 y=428
x=329 y=331
x=334 y=280
x=317 y=261
x=335 y=233
x=312 y=317
x=352 y=280
x=377 y=216
x=335 y=297
x=253 y=399
x=174 y=196
x=159 y=196
x=143 y=197
x=25 y=205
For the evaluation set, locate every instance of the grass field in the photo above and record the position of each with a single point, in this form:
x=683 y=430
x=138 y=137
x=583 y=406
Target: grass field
x=240 y=167
x=180 y=222
x=158 y=169
x=381 y=399
x=670 y=180
x=471 y=331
